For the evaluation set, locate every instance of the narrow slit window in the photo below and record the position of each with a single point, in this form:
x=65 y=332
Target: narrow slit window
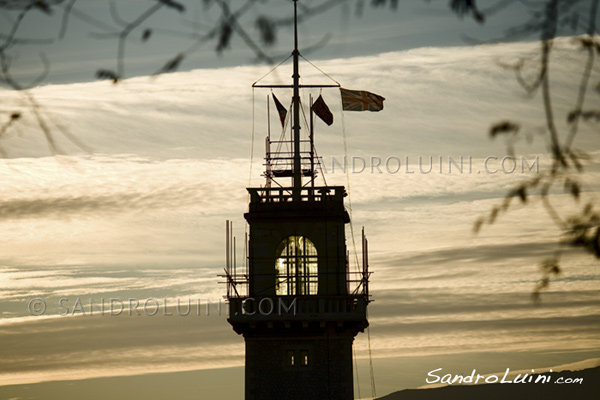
x=289 y=358
x=304 y=358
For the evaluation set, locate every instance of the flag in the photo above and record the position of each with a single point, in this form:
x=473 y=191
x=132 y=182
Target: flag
x=320 y=108
x=359 y=100
x=281 y=110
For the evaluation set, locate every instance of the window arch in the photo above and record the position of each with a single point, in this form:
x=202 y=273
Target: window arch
x=296 y=267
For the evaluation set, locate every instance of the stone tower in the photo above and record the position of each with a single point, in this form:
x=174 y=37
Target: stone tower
x=297 y=305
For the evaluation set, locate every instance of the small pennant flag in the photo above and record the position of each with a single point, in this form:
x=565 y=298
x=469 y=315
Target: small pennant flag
x=320 y=108
x=360 y=100
x=281 y=110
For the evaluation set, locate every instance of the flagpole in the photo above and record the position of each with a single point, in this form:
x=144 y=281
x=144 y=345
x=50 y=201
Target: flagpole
x=268 y=119
x=297 y=176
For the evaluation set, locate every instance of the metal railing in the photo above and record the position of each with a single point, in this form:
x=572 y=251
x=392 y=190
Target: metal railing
x=298 y=307
x=282 y=195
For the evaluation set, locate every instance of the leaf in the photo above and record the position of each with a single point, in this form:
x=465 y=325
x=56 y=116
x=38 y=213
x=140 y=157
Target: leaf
x=107 y=74
x=170 y=3
x=521 y=192
x=267 y=30
x=43 y=7
x=225 y=32
x=573 y=187
x=585 y=115
x=591 y=114
x=380 y=3
x=575 y=190
x=596 y=242
x=584 y=41
x=477 y=225
x=146 y=35
x=463 y=7
x=493 y=215
x=572 y=116
x=504 y=127
x=550 y=266
x=172 y=64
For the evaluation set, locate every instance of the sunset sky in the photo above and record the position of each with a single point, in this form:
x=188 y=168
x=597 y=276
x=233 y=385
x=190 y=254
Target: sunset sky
x=140 y=212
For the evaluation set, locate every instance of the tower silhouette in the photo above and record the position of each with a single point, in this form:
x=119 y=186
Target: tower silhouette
x=297 y=304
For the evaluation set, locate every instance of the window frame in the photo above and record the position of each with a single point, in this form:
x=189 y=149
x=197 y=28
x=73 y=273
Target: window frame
x=296 y=267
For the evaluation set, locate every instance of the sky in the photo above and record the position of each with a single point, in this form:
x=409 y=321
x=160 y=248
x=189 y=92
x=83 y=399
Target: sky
x=137 y=211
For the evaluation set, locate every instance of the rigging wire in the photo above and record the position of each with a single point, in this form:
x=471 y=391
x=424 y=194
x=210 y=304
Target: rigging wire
x=372 y=372
x=351 y=224
x=348 y=185
x=252 y=144
x=356 y=369
x=272 y=69
x=246 y=225
x=319 y=69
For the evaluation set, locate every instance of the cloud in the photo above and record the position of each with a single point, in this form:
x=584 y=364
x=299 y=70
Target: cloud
x=485 y=254
x=439 y=101
x=143 y=216
x=91 y=346
x=101 y=184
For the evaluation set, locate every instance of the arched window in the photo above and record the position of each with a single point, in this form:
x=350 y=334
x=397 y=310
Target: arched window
x=296 y=267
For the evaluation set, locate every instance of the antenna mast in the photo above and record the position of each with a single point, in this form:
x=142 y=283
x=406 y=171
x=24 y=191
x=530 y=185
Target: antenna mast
x=297 y=176
x=291 y=159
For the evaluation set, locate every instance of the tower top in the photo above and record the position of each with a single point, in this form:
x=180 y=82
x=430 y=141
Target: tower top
x=299 y=161
x=297 y=302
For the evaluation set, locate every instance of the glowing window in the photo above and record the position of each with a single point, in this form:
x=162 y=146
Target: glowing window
x=304 y=358
x=296 y=267
x=289 y=358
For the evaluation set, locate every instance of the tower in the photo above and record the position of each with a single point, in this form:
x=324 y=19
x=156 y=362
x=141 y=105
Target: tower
x=297 y=305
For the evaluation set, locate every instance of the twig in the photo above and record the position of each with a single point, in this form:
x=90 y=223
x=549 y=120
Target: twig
x=584 y=78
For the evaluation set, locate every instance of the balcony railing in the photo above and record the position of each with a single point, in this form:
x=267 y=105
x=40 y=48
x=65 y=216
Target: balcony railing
x=283 y=195
x=289 y=308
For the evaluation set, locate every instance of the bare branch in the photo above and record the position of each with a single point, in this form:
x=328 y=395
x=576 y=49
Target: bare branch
x=115 y=15
x=43 y=74
x=65 y=19
x=549 y=208
x=230 y=22
x=15 y=27
x=125 y=33
x=585 y=77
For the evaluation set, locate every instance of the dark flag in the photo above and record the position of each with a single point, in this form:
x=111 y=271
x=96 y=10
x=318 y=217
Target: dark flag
x=281 y=110
x=320 y=108
x=360 y=100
